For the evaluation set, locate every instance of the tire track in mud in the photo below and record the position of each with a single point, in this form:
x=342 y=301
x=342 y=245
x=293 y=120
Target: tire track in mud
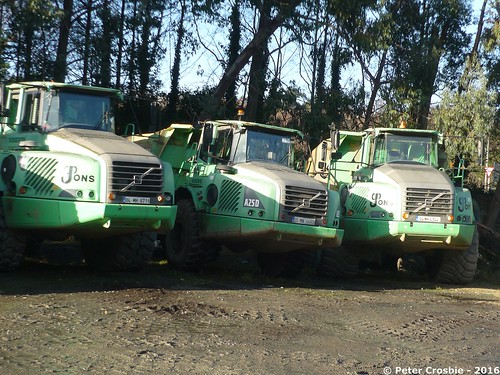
x=47 y=334
x=258 y=332
x=430 y=336
x=167 y=328
x=422 y=329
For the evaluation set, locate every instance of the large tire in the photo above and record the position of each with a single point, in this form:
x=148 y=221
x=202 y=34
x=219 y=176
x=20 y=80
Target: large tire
x=184 y=248
x=119 y=253
x=339 y=263
x=456 y=267
x=288 y=264
x=12 y=245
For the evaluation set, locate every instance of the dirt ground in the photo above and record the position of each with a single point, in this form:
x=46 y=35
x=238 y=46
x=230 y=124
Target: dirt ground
x=67 y=319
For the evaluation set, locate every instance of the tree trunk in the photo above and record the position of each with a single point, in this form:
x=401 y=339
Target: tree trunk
x=133 y=53
x=120 y=46
x=258 y=69
x=234 y=69
x=86 y=50
x=473 y=54
x=28 y=48
x=233 y=52
x=257 y=85
x=376 y=84
x=106 y=45
x=62 y=45
x=173 y=97
x=429 y=74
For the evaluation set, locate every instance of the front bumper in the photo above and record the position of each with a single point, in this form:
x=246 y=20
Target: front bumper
x=411 y=236
x=77 y=217
x=268 y=236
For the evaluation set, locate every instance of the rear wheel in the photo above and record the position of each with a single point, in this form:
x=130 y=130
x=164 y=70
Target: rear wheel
x=339 y=262
x=120 y=253
x=184 y=248
x=12 y=245
x=455 y=267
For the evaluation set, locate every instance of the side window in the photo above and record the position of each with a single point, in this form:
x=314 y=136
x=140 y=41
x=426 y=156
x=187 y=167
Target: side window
x=14 y=105
x=380 y=152
x=223 y=145
x=50 y=116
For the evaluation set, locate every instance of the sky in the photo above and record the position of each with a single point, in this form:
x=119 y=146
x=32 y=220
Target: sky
x=203 y=69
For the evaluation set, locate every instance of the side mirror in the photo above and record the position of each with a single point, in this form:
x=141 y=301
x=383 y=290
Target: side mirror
x=335 y=138
x=324 y=146
x=322 y=161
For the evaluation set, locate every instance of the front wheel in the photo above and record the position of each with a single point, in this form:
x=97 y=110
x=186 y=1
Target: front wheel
x=455 y=267
x=184 y=248
x=12 y=245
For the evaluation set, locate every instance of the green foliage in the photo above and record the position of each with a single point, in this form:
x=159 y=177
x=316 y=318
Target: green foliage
x=467 y=119
x=491 y=39
x=428 y=45
x=399 y=104
x=283 y=106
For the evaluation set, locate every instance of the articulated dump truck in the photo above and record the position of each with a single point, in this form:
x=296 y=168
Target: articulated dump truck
x=236 y=187
x=399 y=202
x=65 y=174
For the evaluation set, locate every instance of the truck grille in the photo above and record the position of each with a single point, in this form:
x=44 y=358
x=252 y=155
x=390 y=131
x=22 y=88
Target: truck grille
x=307 y=203
x=133 y=179
x=428 y=201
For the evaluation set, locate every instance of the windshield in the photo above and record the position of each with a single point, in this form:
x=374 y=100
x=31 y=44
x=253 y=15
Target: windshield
x=395 y=148
x=67 y=109
x=267 y=147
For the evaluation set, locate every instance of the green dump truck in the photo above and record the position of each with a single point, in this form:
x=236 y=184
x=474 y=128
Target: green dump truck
x=64 y=173
x=236 y=186
x=399 y=201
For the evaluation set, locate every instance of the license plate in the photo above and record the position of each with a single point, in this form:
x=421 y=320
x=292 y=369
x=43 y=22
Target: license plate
x=429 y=219
x=136 y=200
x=303 y=220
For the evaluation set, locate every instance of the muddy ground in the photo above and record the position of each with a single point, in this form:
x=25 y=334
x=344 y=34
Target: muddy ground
x=64 y=318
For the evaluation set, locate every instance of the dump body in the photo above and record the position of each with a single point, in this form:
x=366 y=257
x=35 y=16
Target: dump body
x=65 y=172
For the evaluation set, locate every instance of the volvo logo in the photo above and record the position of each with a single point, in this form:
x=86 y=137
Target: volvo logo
x=137 y=179
x=428 y=203
x=306 y=203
